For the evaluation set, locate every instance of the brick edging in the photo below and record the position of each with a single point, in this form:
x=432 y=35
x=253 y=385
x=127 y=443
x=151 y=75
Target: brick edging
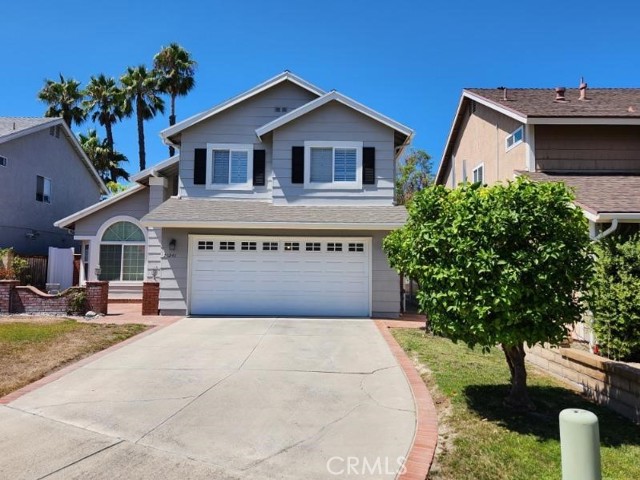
x=423 y=449
x=55 y=375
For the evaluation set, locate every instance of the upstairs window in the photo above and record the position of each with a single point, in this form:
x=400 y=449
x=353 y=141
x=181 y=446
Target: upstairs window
x=478 y=174
x=514 y=139
x=229 y=166
x=43 y=189
x=333 y=165
x=3 y=161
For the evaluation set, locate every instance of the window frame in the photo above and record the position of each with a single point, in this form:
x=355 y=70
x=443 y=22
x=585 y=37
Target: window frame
x=346 y=185
x=513 y=135
x=44 y=183
x=232 y=147
x=479 y=167
x=143 y=243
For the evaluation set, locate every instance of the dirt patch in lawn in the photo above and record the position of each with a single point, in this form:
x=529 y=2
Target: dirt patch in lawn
x=32 y=347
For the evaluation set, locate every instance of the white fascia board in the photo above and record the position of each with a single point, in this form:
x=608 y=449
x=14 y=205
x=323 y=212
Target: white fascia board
x=448 y=144
x=496 y=106
x=318 y=102
x=608 y=216
x=582 y=121
x=178 y=127
x=151 y=171
x=271 y=225
x=64 y=222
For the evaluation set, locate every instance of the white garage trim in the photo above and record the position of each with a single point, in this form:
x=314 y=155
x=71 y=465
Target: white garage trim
x=195 y=238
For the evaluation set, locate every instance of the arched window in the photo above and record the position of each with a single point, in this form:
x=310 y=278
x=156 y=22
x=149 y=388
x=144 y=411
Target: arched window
x=122 y=253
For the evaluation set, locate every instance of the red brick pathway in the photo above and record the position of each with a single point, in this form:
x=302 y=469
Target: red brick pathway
x=423 y=449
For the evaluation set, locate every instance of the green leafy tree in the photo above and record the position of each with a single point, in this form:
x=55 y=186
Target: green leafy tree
x=106 y=162
x=142 y=97
x=614 y=296
x=64 y=99
x=496 y=265
x=175 y=68
x=414 y=173
x=115 y=187
x=104 y=100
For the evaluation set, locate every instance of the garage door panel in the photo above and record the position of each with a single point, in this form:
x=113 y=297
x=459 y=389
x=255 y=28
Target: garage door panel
x=321 y=277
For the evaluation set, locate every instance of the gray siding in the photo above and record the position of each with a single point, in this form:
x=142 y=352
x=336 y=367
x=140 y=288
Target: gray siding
x=135 y=205
x=238 y=125
x=73 y=188
x=173 y=290
x=333 y=122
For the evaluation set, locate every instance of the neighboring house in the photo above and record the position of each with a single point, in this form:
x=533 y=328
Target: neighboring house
x=44 y=175
x=588 y=139
x=276 y=205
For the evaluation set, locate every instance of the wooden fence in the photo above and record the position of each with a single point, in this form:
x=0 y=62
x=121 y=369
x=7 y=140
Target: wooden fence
x=36 y=274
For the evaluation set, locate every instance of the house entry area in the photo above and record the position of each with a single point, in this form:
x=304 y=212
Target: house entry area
x=302 y=276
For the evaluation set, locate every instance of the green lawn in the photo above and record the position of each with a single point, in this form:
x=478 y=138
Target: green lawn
x=32 y=348
x=485 y=440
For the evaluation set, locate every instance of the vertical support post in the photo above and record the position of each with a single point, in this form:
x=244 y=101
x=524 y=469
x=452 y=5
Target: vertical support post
x=580 y=445
x=98 y=296
x=150 y=298
x=6 y=292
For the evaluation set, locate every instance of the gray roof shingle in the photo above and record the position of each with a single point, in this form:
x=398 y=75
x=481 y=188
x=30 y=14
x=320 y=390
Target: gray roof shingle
x=540 y=102
x=598 y=193
x=205 y=212
x=10 y=125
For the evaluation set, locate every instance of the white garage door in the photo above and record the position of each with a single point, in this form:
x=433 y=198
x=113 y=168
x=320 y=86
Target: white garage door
x=311 y=276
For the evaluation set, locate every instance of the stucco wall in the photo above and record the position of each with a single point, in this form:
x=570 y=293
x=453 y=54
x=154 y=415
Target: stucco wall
x=73 y=188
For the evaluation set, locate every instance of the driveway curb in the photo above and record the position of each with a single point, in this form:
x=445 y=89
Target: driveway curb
x=422 y=451
x=55 y=375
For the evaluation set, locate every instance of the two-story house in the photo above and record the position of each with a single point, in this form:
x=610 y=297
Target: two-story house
x=277 y=204
x=44 y=175
x=587 y=138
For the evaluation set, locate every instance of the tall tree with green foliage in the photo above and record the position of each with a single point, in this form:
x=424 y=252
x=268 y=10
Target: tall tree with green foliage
x=414 y=173
x=496 y=265
x=104 y=102
x=64 y=99
x=176 y=69
x=106 y=162
x=142 y=97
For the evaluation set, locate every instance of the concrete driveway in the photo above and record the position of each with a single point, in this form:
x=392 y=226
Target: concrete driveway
x=220 y=399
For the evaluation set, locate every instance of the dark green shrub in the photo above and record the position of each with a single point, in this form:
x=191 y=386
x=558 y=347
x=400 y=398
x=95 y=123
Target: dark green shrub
x=77 y=303
x=615 y=297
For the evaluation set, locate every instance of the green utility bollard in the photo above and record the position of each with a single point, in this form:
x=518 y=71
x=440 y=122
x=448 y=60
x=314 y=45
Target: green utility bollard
x=579 y=445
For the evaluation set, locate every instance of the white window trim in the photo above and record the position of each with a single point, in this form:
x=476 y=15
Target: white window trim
x=96 y=241
x=248 y=185
x=515 y=144
x=43 y=190
x=356 y=185
x=473 y=174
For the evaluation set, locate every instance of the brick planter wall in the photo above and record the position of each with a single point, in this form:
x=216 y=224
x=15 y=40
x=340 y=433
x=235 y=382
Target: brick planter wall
x=150 y=298
x=98 y=296
x=6 y=289
x=607 y=382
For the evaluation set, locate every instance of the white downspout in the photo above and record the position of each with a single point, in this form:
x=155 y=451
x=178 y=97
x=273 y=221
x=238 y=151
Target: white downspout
x=607 y=232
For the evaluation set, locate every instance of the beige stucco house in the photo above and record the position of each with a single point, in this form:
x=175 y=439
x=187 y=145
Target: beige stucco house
x=587 y=138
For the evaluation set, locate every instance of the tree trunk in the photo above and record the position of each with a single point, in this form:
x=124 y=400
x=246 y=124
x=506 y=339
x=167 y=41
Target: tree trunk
x=172 y=122
x=112 y=165
x=143 y=161
x=518 y=395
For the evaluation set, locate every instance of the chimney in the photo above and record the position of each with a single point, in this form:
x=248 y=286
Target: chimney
x=560 y=91
x=583 y=89
x=505 y=97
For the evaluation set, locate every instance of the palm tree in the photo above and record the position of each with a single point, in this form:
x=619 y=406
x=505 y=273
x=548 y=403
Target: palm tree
x=107 y=163
x=104 y=102
x=175 y=69
x=64 y=99
x=142 y=94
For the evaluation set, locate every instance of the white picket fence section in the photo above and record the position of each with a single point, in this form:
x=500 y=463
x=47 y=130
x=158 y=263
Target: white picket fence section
x=60 y=268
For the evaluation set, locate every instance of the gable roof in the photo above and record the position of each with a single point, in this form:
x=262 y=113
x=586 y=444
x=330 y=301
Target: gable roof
x=208 y=213
x=12 y=128
x=540 y=102
x=158 y=168
x=68 y=221
x=323 y=100
x=602 y=197
x=282 y=77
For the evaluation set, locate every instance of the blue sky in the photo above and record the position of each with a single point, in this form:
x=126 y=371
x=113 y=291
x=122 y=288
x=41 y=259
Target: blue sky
x=408 y=59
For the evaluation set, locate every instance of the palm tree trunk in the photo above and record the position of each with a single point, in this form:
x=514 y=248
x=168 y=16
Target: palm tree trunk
x=143 y=162
x=518 y=396
x=112 y=170
x=172 y=122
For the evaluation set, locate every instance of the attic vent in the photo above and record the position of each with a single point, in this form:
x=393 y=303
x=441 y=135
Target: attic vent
x=472 y=107
x=52 y=131
x=3 y=161
x=560 y=91
x=282 y=109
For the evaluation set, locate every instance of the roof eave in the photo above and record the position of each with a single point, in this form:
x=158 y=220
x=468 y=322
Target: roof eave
x=156 y=223
x=155 y=170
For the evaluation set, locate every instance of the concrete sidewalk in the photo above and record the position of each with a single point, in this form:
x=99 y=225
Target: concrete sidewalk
x=221 y=398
